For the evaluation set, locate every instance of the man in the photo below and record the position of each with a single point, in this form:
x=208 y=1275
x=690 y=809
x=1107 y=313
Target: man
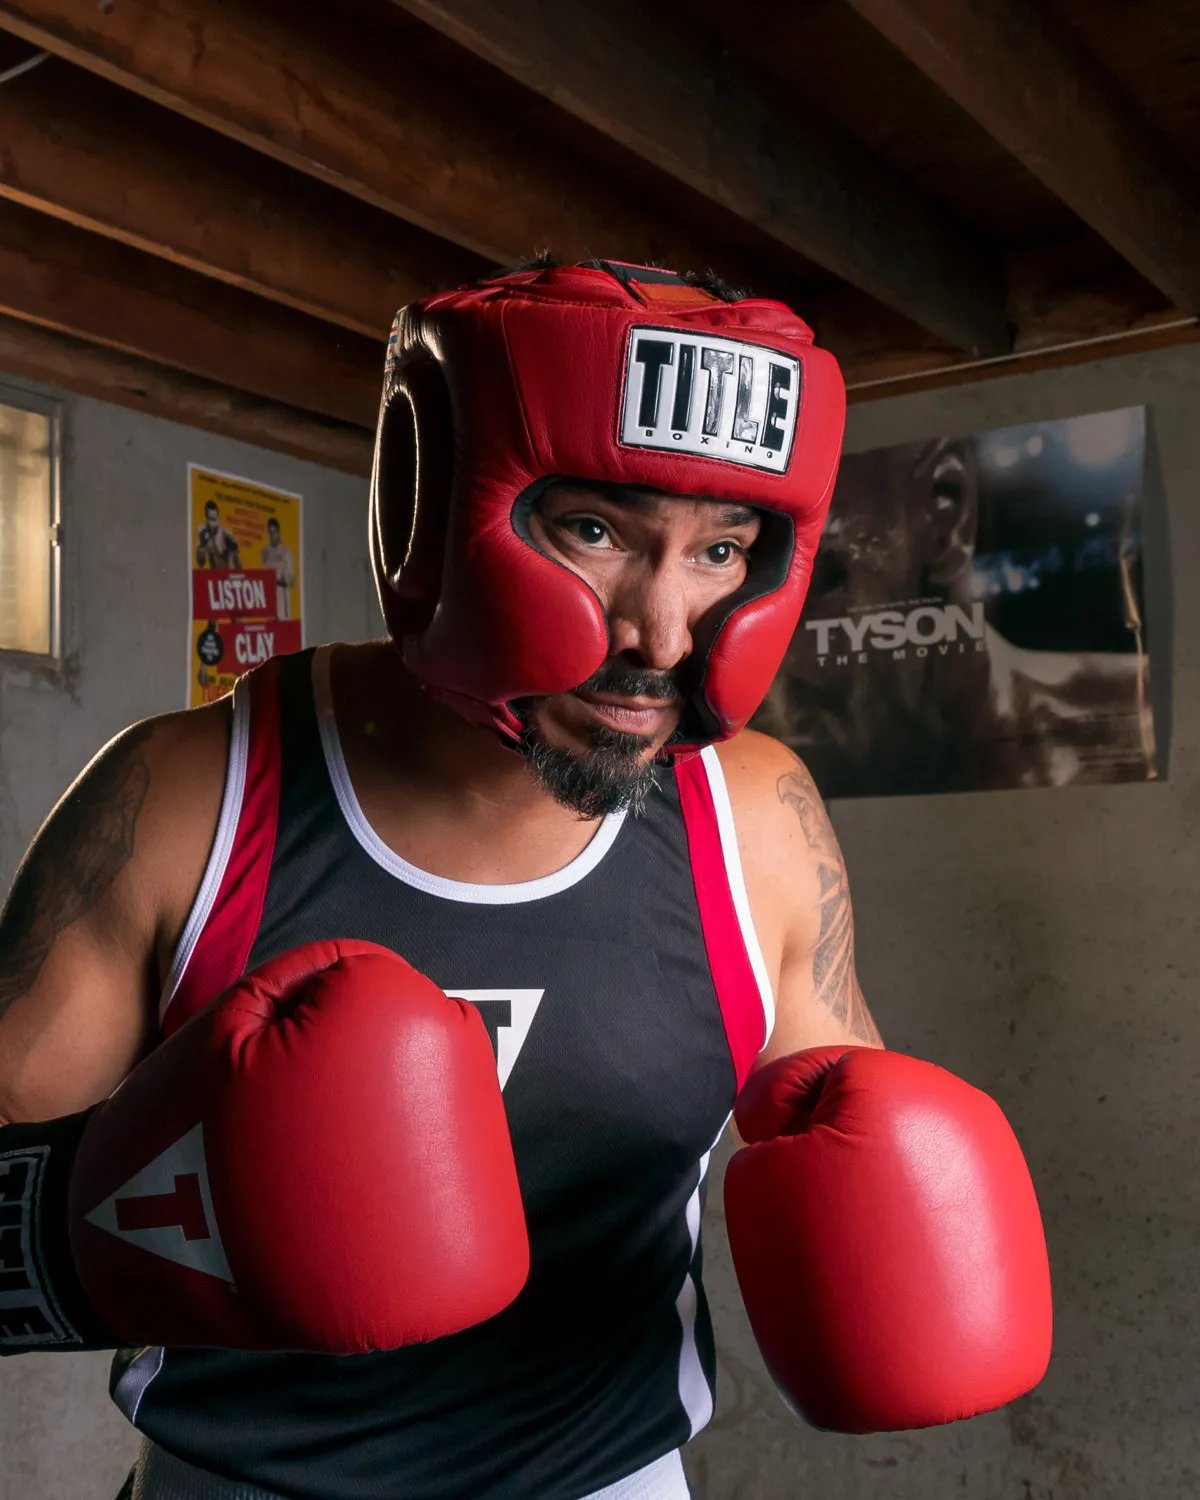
x=278 y=557
x=317 y=1164
x=974 y=712
x=216 y=545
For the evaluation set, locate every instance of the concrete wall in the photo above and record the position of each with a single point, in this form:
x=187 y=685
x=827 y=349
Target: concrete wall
x=124 y=494
x=1046 y=946
x=1043 y=944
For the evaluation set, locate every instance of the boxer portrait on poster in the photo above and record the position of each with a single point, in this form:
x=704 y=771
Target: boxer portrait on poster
x=976 y=618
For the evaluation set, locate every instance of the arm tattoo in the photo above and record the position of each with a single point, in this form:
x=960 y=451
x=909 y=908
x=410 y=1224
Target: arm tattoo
x=834 y=976
x=76 y=857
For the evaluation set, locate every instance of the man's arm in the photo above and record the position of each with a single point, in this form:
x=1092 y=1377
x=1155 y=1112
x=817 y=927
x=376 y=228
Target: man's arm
x=819 y=998
x=800 y=898
x=96 y=904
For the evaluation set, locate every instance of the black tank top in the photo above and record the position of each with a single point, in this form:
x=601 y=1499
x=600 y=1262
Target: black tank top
x=625 y=997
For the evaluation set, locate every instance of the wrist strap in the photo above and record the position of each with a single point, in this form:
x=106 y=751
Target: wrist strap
x=42 y=1303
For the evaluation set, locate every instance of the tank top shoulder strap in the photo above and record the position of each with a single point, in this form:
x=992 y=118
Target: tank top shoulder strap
x=225 y=915
x=734 y=956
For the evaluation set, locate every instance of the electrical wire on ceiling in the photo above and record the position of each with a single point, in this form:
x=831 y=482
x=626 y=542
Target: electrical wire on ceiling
x=27 y=66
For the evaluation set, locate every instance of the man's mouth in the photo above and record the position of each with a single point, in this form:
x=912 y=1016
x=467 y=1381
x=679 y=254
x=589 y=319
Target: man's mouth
x=633 y=715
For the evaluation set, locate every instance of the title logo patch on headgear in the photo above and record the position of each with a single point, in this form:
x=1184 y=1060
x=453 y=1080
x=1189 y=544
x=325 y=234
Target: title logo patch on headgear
x=712 y=397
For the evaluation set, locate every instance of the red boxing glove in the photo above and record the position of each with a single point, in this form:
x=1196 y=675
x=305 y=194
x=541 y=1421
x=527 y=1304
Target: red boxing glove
x=318 y=1161
x=887 y=1241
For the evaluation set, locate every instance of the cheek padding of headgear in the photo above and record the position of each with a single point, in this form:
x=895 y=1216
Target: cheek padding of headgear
x=594 y=373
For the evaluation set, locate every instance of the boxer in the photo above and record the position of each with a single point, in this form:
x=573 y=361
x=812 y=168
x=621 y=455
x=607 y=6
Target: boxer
x=364 y=1039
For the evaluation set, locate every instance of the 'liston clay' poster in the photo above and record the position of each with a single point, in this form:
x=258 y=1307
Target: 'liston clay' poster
x=246 y=572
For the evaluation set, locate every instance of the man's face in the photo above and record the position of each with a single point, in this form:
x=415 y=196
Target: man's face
x=658 y=565
x=273 y=532
x=211 y=514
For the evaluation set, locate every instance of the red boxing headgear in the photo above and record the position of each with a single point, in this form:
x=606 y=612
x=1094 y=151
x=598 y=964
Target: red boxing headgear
x=600 y=372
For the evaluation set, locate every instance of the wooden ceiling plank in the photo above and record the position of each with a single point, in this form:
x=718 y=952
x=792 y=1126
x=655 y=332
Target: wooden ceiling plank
x=92 y=155
x=671 y=95
x=891 y=378
x=1072 y=290
x=78 y=283
x=375 y=127
x=57 y=359
x=1031 y=84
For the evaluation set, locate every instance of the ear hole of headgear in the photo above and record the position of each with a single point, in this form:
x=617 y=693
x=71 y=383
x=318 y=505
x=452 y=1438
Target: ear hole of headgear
x=770 y=563
x=414 y=470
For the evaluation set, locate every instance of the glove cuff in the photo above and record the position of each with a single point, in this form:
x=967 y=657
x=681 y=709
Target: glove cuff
x=43 y=1306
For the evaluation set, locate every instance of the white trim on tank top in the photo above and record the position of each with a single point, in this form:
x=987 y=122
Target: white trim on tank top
x=159 y=1475
x=222 y=848
x=412 y=875
x=663 y=1479
x=695 y=1393
x=737 y=882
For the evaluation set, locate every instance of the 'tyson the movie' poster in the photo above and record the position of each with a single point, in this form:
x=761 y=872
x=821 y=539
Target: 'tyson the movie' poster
x=976 y=616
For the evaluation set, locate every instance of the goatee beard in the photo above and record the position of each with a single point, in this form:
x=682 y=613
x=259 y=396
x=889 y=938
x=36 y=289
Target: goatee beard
x=612 y=775
x=614 y=772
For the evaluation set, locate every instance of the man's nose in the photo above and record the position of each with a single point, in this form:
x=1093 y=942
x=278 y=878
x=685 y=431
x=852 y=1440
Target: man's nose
x=649 y=618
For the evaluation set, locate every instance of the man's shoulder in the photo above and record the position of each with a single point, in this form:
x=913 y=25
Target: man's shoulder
x=778 y=815
x=754 y=766
x=130 y=836
x=773 y=799
x=177 y=753
x=170 y=731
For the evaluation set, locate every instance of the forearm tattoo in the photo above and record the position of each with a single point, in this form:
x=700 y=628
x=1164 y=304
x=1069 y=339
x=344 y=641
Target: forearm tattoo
x=76 y=857
x=834 y=976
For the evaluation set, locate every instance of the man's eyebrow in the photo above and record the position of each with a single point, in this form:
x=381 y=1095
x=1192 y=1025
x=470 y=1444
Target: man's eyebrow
x=632 y=498
x=726 y=514
x=737 y=515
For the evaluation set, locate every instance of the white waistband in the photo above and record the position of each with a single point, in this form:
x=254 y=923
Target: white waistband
x=662 y=1480
x=160 y=1476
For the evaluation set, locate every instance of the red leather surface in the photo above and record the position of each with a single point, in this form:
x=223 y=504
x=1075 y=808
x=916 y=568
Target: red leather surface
x=887 y=1241
x=358 y=1157
x=535 y=368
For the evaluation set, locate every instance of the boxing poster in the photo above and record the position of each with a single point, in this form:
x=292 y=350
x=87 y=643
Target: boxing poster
x=244 y=557
x=977 y=616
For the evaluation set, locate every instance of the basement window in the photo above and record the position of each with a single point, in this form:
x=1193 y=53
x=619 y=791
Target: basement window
x=29 y=526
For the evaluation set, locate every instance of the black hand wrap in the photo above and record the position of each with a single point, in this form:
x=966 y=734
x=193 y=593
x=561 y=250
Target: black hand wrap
x=42 y=1304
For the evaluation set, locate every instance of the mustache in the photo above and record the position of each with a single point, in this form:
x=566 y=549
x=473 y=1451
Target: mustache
x=633 y=682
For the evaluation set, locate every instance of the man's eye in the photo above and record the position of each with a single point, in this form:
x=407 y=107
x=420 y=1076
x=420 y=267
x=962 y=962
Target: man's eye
x=588 y=530
x=723 y=553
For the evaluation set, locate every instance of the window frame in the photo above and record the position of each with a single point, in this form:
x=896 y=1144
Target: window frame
x=52 y=409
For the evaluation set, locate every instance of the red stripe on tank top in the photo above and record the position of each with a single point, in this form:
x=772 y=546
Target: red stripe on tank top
x=220 y=955
x=733 y=975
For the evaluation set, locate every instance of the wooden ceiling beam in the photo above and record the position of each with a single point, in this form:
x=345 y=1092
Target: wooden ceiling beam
x=891 y=378
x=1076 y=287
x=1073 y=298
x=97 y=157
x=57 y=359
x=680 y=101
x=1014 y=69
x=64 y=278
x=321 y=96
